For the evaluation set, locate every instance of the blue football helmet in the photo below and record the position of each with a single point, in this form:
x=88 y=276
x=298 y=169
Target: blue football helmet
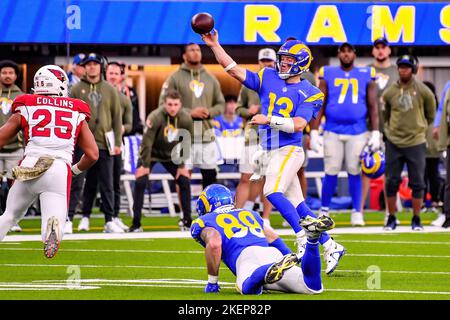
x=214 y=196
x=298 y=50
x=372 y=163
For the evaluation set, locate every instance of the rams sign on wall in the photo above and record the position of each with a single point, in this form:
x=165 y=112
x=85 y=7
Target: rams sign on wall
x=168 y=22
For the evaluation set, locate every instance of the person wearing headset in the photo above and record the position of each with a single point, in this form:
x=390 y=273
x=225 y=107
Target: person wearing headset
x=410 y=108
x=106 y=122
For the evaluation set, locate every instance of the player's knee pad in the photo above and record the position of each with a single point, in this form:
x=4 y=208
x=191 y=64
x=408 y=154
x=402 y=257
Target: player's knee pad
x=331 y=168
x=354 y=168
x=392 y=185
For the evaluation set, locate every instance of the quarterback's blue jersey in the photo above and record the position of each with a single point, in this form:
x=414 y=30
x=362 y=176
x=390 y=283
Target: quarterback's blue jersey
x=228 y=129
x=282 y=99
x=346 y=108
x=238 y=228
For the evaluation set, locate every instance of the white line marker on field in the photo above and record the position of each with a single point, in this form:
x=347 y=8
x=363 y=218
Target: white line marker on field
x=15 y=265
x=202 y=252
x=192 y=283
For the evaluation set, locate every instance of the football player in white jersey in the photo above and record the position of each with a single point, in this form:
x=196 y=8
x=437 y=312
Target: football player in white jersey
x=52 y=124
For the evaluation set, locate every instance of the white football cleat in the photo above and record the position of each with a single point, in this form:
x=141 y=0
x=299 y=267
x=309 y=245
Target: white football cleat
x=52 y=238
x=68 y=227
x=120 y=224
x=332 y=256
x=439 y=221
x=357 y=219
x=111 y=227
x=17 y=228
x=84 y=224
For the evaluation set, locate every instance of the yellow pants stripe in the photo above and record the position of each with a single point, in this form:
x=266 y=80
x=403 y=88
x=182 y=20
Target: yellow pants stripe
x=282 y=167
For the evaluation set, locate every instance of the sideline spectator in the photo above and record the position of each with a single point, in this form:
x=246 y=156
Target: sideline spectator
x=106 y=125
x=12 y=152
x=202 y=97
x=77 y=71
x=229 y=124
x=386 y=74
x=166 y=126
x=431 y=177
x=409 y=109
x=441 y=131
x=114 y=72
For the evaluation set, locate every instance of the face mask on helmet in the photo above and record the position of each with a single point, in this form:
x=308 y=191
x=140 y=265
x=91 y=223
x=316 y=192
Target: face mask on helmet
x=302 y=58
x=372 y=163
x=213 y=197
x=51 y=80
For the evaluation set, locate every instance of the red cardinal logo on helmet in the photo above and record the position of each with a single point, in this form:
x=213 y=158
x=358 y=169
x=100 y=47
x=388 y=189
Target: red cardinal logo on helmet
x=58 y=74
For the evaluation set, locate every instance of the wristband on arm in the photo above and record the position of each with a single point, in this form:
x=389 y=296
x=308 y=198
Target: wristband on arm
x=283 y=124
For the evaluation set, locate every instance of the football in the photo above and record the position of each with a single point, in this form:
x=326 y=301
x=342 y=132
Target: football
x=202 y=23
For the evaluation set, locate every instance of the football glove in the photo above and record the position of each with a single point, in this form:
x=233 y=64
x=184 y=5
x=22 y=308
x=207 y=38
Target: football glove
x=374 y=141
x=315 y=142
x=212 y=288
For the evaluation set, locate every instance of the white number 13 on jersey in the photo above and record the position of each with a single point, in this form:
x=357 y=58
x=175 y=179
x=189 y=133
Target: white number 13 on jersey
x=344 y=82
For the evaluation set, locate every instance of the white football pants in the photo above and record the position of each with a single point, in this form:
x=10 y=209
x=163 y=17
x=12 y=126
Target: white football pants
x=53 y=190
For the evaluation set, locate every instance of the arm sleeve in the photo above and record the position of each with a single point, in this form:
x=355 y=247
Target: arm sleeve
x=196 y=229
x=253 y=80
x=145 y=151
x=218 y=101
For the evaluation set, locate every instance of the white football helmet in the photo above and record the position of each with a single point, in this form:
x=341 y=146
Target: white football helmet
x=51 y=80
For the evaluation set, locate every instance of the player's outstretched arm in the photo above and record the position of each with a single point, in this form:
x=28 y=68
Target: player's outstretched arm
x=213 y=255
x=9 y=129
x=87 y=142
x=213 y=249
x=230 y=66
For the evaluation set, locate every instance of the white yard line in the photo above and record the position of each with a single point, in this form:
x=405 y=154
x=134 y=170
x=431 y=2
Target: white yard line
x=186 y=234
x=90 y=266
x=166 y=283
x=202 y=252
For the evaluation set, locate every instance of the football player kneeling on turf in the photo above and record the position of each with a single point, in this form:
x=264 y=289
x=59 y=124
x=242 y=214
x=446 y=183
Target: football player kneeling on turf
x=255 y=254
